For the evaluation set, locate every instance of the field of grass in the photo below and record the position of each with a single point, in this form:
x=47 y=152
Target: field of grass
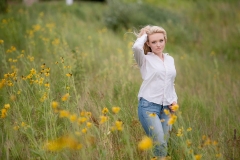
x=65 y=71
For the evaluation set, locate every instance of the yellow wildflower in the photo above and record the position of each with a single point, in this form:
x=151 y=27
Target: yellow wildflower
x=166 y=111
x=115 y=109
x=7 y=106
x=47 y=85
x=190 y=151
x=82 y=113
x=175 y=107
x=12 y=49
x=189 y=143
x=198 y=157
x=33 y=71
x=84 y=130
x=16 y=127
x=89 y=124
x=65 y=97
x=68 y=74
x=54 y=104
x=146 y=143
x=207 y=142
x=119 y=125
x=1 y=41
x=152 y=114
x=189 y=129
x=82 y=120
x=56 y=41
x=172 y=119
x=204 y=137
x=36 y=27
x=2 y=82
x=105 y=110
x=64 y=113
x=103 y=119
x=180 y=132
x=88 y=114
x=43 y=65
x=73 y=117
x=215 y=143
x=23 y=124
x=3 y=113
x=63 y=142
x=47 y=74
x=218 y=155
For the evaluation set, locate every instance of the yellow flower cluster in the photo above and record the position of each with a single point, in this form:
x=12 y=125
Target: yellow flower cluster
x=118 y=126
x=83 y=118
x=23 y=125
x=180 y=132
x=104 y=118
x=12 y=49
x=4 y=110
x=56 y=42
x=172 y=119
x=175 y=108
x=62 y=143
x=31 y=58
x=2 y=83
x=65 y=97
x=35 y=28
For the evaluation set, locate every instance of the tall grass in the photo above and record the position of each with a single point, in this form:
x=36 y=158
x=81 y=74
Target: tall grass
x=51 y=50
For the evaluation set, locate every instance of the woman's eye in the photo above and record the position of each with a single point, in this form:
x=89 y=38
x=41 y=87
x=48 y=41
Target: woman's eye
x=161 y=40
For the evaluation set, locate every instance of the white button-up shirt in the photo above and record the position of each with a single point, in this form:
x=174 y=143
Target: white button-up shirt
x=158 y=75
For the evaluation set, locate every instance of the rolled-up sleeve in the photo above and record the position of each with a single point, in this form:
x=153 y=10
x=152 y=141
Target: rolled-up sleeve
x=138 y=49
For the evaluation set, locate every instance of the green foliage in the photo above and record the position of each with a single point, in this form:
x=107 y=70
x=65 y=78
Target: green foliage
x=3 y=6
x=124 y=14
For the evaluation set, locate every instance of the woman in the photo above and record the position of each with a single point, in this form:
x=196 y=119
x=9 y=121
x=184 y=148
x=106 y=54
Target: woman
x=157 y=93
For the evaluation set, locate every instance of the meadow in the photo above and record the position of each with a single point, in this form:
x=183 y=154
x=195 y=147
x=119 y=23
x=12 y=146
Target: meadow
x=69 y=83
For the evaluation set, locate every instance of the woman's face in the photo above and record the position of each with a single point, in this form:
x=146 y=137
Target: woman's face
x=156 y=42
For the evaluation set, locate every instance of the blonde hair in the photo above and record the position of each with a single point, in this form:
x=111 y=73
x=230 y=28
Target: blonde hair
x=151 y=30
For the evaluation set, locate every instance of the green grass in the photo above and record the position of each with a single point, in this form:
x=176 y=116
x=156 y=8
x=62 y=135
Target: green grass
x=75 y=39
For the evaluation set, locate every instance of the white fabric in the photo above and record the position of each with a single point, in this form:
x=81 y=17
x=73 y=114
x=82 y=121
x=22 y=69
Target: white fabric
x=158 y=75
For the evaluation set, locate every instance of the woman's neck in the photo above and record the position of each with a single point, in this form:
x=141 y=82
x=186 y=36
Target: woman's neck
x=160 y=55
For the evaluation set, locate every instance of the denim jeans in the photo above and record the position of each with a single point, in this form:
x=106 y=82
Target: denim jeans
x=155 y=123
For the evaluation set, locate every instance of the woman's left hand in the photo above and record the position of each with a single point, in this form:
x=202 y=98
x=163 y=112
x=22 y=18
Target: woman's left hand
x=174 y=107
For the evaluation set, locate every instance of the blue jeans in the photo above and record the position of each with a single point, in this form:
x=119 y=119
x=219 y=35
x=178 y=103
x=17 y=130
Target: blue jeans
x=155 y=123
